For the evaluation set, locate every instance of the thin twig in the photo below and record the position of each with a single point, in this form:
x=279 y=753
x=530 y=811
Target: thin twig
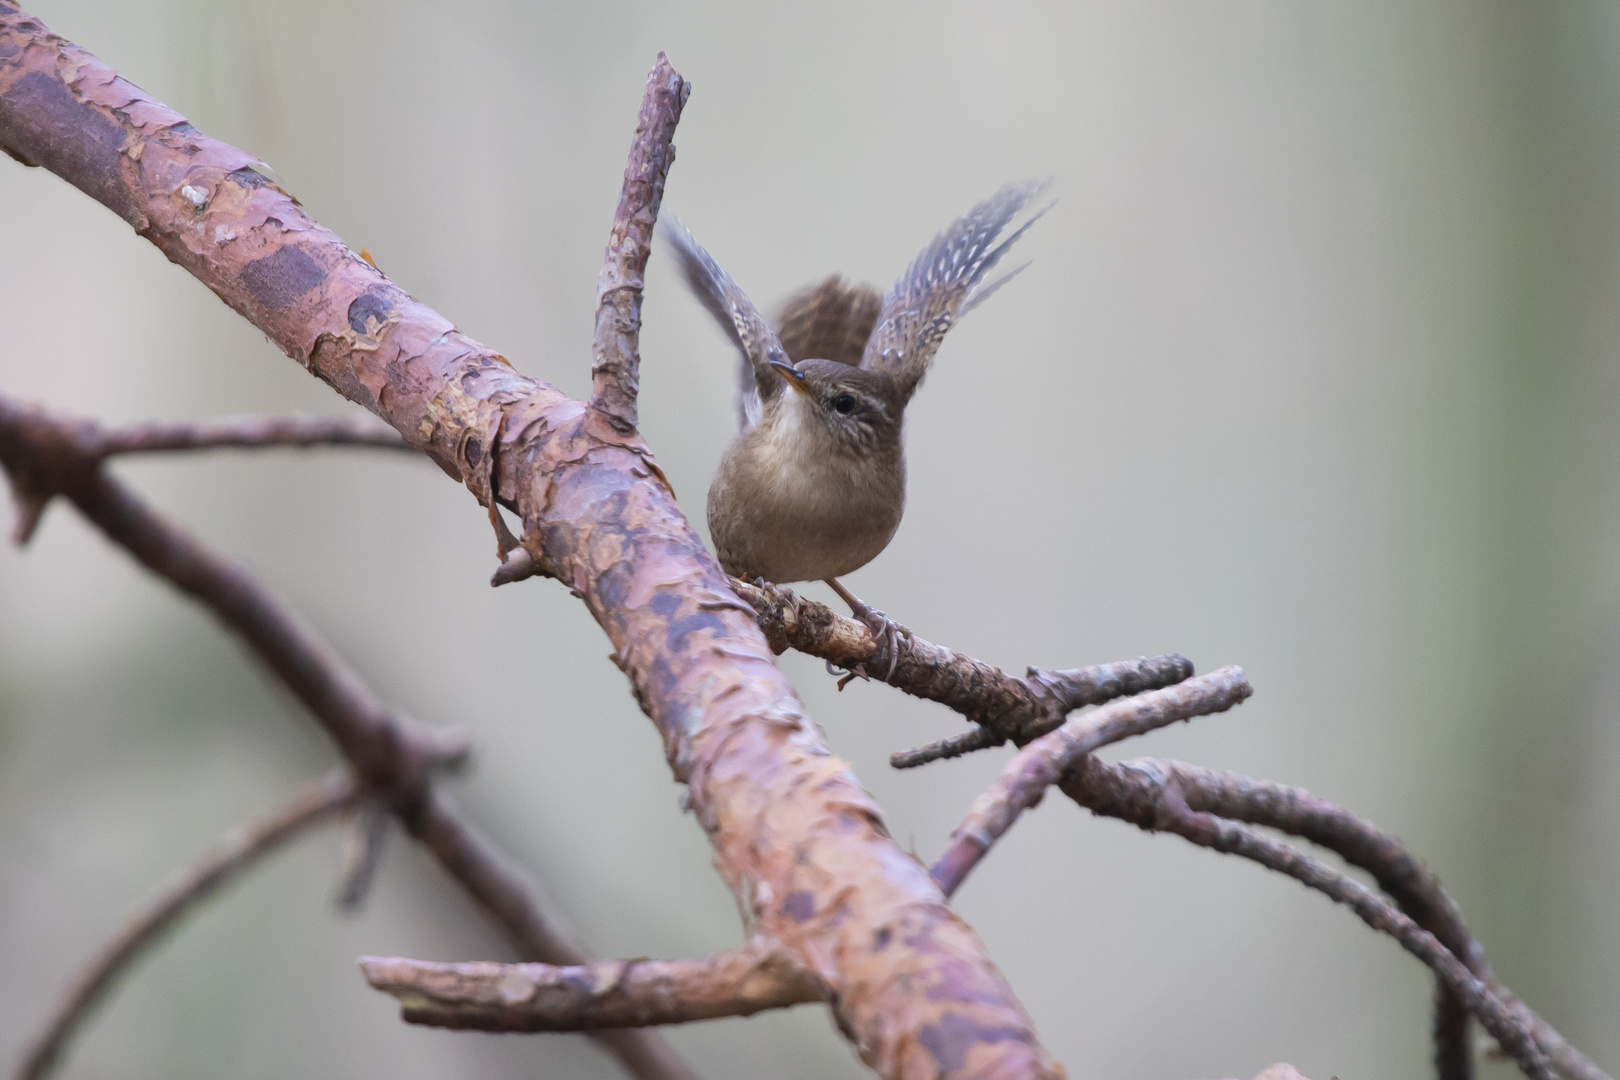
x=249 y=432
x=1043 y=761
x=240 y=849
x=1133 y=790
x=606 y=993
x=394 y=759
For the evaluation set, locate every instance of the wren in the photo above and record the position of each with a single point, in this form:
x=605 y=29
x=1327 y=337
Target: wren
x=814 y=484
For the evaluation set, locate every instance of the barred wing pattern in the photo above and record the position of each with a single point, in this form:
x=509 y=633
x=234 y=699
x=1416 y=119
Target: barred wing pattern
x=743 y=323
x=944 y=283
x=829 y=321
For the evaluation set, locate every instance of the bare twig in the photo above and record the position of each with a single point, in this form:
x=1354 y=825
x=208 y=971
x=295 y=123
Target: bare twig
x=362 y=852
x=1134 y=790
x=394 y=759
x=248 y=432
x=1043 y=761
x=607 y=993
x=240 y=849
x=616 y=359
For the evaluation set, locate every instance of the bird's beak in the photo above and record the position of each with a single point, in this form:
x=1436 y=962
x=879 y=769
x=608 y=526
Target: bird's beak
x=793 y=376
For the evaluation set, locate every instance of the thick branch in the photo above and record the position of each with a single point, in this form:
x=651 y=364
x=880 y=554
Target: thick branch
x=44 y=453
x=240 y=849
x=616 y=358
x=250 y=431
x=799 y=841
x=1009 y=708
x=1043 y=762
x=607 y=993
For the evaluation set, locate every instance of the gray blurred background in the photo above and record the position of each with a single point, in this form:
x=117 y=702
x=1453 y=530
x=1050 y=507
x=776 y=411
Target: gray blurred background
x=1315 y=372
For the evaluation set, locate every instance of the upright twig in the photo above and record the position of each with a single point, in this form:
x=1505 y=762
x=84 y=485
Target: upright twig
x=239 y=850
x=615 y=351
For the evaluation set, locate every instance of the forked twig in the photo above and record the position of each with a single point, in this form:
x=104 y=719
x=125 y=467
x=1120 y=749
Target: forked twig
x=1042 y=762
x=240 y=849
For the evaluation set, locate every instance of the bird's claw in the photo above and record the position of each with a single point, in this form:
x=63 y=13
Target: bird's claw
x=886 y=628
x=844 y=677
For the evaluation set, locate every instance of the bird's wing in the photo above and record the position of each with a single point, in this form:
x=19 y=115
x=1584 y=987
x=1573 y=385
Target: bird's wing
x=829 y=320
x=944 y=283
x=736 y=314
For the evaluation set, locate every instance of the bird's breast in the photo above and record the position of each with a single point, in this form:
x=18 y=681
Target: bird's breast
x=787 y=507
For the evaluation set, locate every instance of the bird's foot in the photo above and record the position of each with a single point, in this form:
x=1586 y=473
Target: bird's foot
x=885 y=628
x=856 y=671
x=882 y=627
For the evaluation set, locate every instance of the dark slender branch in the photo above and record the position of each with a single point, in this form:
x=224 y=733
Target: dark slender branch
x=240 y=849
x=1043 y=761
x=616 y=361
x=604 y=994
x=249 y=432
x=1010 y=708
x=1150 y=793
x=393 y=759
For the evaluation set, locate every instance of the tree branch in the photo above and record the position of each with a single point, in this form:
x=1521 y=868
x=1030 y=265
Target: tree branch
x=607 y=993
x=240 y=849
x=1042 y=762
x=800 y=843
x=1007 y=708
x=249 y=432
x=394 y=760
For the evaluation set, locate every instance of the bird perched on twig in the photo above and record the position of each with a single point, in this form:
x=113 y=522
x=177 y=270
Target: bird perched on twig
x=814 y=484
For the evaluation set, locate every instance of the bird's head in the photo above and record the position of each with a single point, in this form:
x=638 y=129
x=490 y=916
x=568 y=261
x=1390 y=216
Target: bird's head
x=862 y=411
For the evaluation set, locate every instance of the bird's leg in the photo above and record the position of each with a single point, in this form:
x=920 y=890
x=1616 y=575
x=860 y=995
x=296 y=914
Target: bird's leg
x=879 y=623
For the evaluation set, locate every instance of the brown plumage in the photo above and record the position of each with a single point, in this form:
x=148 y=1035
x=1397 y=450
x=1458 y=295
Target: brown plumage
x=829 y=320
x=814 y=484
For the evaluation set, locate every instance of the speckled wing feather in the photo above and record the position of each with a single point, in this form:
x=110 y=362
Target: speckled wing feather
x=944 y=283
x=736 y=314
x=829 y=320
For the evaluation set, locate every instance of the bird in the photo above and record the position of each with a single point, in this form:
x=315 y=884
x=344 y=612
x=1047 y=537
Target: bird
x=813 y=485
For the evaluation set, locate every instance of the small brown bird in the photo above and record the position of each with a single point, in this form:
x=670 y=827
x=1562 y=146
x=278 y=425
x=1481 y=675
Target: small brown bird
x=814 y=484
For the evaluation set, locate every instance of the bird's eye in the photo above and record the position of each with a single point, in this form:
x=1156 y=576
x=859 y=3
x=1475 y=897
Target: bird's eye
x=844 y=403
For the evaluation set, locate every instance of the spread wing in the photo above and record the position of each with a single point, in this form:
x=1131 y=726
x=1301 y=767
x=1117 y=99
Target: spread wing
x=944 y=283
x=736 y=314
x=829 y=320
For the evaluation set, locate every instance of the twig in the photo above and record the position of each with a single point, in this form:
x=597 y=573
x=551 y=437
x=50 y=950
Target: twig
x=607 y=993
x=362 y=852
x=616 y=360
x=1133 y=790
x=1043 y=761
x=241 y=848
x=1010 y=708
x=249 y=432
x=395 y=761
x=799 y=841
